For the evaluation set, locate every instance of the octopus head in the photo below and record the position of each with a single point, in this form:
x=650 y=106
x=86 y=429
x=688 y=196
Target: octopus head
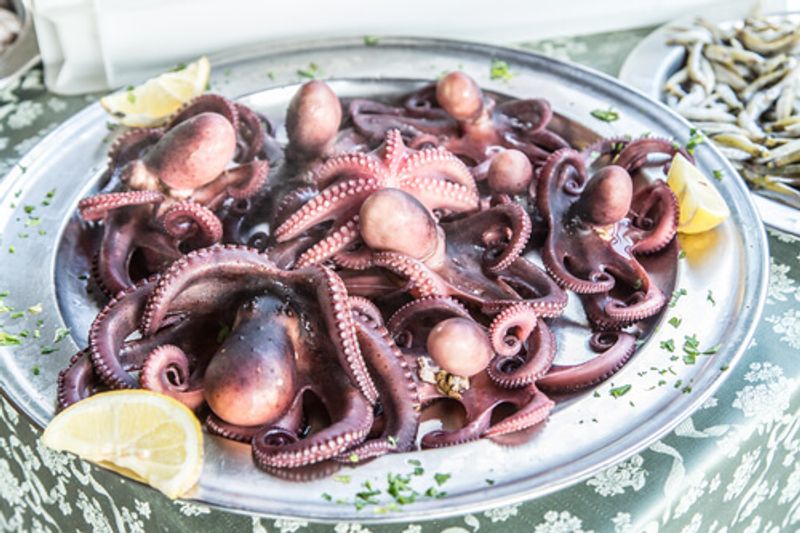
x=460 y=346
x=607 y=197
x=313 y=119
x=252 y=379
x=191 y=154
x=395 y=221
x=510 y=172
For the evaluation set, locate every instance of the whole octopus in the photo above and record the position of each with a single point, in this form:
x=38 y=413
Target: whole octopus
x=316 y=299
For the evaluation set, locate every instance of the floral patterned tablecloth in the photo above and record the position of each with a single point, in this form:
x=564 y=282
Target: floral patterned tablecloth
x=731 y=467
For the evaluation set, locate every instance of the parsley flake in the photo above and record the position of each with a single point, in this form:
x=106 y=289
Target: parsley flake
x=309 y=73
x=371 y=40
x=710 y=297
x=675 y=322
x=677 y=296
x=441 y=479
x=717 y=173
x=622 y=390
x=668 y=345
x=7 y=339
x=606 y=115
x=499 y=70
x=343 y=479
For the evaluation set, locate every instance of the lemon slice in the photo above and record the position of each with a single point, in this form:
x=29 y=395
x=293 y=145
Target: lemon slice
x=152 y=102
x=702 y=207
x=140 y=434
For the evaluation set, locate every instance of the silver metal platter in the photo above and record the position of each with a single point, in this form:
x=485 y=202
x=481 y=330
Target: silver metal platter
x=586 y=433
x=653 y=61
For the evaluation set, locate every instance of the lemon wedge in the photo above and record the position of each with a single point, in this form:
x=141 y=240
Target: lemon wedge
x=152 y=102
x=702 y=207
x=141 y=434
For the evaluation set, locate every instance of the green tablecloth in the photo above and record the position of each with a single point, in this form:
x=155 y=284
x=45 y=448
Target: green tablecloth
x=731 y=467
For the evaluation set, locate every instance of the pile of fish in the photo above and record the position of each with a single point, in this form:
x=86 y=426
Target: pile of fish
x=740 y=84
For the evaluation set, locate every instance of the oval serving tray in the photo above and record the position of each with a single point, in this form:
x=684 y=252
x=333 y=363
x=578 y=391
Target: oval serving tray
x=601 y=430
x=648 y=67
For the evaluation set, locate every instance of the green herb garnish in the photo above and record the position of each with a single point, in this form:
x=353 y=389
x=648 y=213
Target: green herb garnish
x=674 y=322
x=343 y=479
x=677 y=296
x=46 y=350
x=695 y=138
x=606 y=115
x=717 y=173
x=36 y=370
x=7 y=339
x=499 y=70
x=710 y=297
x=622 y=390
x=60 y=334
x=310 y=72
x=441 y=479
x=370 y=40
x=668 y=345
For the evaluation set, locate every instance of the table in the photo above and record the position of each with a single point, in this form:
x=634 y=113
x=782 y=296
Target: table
x=732 y=466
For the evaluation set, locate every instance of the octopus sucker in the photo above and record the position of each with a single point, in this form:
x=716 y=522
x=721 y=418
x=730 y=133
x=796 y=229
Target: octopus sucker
x=394 y=259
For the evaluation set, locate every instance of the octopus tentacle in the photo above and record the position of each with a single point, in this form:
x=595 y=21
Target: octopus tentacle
x=510 y=328
x=350 y=428
x=166 y=370
x=251 y=128
x=217 y=426
x=655 y=213
x=325 y=206
x=77 y=381
x=204 y=103
x=358 y=259
x=200 y=265
x=529 y=415
x=401 y=400
x=634 y=155
x=111 y=327
x=336 y=240
x=190 y=220
x=423 y=280
x=333 y=296
x=96 y=207
x=442 y=194
x=443 y=304
x=614 y=347
x=534 y=287
x=132 y=145
x=509 y=372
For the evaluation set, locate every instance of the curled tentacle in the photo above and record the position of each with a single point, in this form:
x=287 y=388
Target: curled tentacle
x=189 y=220
x=511 y=328
x=516 y=371
x=614 y=349
x=655 y=215
x=166 y=370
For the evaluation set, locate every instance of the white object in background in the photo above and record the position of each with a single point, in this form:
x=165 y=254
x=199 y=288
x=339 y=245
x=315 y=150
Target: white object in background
x=91 y=45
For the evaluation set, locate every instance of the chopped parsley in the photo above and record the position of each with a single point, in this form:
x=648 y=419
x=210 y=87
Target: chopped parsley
x=489 y=481
x=60 y=334
x=35 y=309
x=309 y=73
x=7 y=339
x=695 y=138
x=675 y=322
x=178 y=67
x=441 y=479
x=433 y=493
x=371 y=40
x=131 y=95
x=682 y=254
x=668 y=345
x=620 y=391
x=677 y=296
x=343 y=479
x=499 y=70
x=327 y=497
x=46 y=350
x=606 y=115
x=353 y=458
x=724 y=368
x=11 y=249
x=678 y=384
x=687 y=389
x=36 y=370
x=710 y=297
x=717 y=173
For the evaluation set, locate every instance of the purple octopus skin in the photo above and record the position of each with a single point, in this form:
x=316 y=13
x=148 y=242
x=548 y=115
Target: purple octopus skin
x=592 y=242
x=305 y=316
x=165 y=185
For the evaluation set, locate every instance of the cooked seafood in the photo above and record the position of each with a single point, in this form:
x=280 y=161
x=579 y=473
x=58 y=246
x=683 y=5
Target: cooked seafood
x=739 y=85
